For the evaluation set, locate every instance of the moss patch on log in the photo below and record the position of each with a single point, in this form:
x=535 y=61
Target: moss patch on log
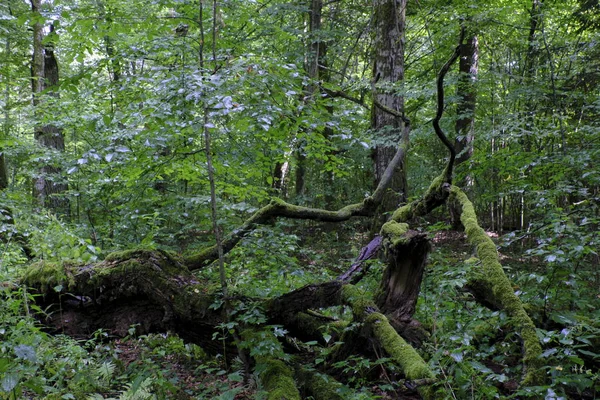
x=47 y=275
x=320 y=386
x=394 y=232
x=364 y=309
x=435 y=196
x=413 y=366
x=276 y=377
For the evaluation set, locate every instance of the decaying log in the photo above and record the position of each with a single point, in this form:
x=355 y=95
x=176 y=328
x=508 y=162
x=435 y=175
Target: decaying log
x=150 y=289
x=406 y=256
x=155 y=291
x=492 y=281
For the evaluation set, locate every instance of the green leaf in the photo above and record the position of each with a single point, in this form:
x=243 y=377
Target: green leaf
x=10 y=381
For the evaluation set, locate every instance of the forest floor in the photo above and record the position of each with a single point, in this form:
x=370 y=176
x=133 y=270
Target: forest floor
x=186 y=377
x=470 y=347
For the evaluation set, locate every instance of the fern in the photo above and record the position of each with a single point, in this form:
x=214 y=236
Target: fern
x=138 y=390
x=106 y=371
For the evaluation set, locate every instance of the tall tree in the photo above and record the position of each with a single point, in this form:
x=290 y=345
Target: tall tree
x=44 y=76
x=315 y=69
x=465 y=113
x=6 y=125
x=467 y=96
x=389 y=21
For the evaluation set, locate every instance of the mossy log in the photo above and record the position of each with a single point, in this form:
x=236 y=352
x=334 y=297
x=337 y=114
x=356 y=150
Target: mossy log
x=320 y=386
x=155 y=291
x=152 y=290
x=492 y=285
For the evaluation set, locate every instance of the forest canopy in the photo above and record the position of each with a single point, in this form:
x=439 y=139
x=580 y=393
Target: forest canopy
x=285 y=199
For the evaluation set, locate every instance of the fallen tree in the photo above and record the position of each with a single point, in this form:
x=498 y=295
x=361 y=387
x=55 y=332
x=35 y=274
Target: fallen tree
x=158 y=291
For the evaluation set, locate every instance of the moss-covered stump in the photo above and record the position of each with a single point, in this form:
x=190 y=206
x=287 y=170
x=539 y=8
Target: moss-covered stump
x=494 y=286
x=406 y=254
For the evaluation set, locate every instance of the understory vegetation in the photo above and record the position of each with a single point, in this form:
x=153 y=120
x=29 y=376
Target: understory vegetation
x=193 y=203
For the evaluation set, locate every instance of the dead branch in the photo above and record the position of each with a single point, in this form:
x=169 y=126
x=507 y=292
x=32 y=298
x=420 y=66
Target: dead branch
x=440 y=107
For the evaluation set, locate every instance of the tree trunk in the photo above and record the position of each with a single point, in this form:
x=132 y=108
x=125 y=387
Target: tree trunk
x=316 y=69
x=467 y=97
x=465 y=110
x=406 y=256
x=388 y=70
x=44 y=75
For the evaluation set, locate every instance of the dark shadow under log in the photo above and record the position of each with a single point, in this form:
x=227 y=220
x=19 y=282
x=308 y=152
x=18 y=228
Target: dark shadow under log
x=152 y=290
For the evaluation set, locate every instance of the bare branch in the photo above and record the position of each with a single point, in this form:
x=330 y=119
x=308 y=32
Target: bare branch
x=440 y=106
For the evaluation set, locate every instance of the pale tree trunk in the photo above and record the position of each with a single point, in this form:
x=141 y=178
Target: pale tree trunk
x=389 y=27
x=44 y=75
x=465 y=110
x=6 y=125
x=467 y=97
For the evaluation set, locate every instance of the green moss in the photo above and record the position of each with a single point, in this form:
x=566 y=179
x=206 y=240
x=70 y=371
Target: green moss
x=199 y=258
x=403 y=213
x=46 y=275
x=394 y=232
x=357 y=299
x=413 y=366
x=502 y=292
x=275 y=375
x=403 y=353
x=278 y=380
x=320 y=386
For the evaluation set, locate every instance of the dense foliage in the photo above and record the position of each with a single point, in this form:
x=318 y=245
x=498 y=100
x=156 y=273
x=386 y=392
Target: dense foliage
x=141 y=82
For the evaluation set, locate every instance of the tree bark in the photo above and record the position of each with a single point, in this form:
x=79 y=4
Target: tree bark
x=467 y=98
x=316 y=70
x=465 y=111
x=6 y=125
x=406 y=256
x=45 y=76
x=388 y=70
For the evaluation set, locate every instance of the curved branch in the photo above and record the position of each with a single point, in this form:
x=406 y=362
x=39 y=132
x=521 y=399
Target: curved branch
x=440 y=106
x=279 y=208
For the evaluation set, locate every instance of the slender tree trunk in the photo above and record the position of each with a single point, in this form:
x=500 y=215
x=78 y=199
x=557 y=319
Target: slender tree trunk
x=389 y=27
x=44 y=75
x=465 y=110
x=530 y=68
x=316 y=71
x=467 y=97
x=6 y=125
